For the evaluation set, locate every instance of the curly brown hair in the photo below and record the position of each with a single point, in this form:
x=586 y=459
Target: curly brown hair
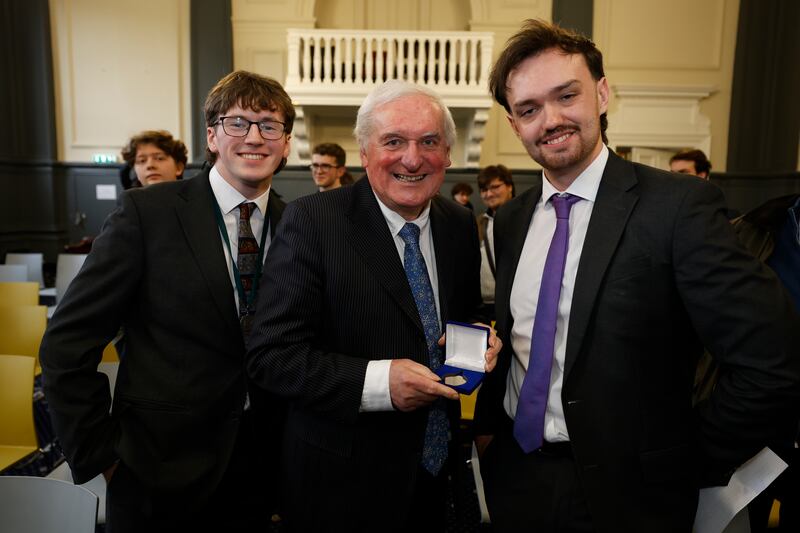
x=160 y=138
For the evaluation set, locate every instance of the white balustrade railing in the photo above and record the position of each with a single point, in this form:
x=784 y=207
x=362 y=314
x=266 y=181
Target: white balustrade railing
x=334 y=64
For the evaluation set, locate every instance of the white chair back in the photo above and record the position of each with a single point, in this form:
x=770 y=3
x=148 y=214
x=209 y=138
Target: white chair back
x=43 y=505
x=13 y=273
x=98 y=483
x=67 y=268
x=33 y=262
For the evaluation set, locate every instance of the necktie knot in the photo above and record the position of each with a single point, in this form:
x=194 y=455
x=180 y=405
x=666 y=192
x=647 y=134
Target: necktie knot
x=410 y=234
x=246 y=209
x=563 y=203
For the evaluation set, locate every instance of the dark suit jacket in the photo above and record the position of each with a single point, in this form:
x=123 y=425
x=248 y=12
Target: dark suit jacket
x=660 y=275
x=158 y=270
x=337 y=297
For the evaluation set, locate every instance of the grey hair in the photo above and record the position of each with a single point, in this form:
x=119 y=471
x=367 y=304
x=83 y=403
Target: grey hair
x=393 y=90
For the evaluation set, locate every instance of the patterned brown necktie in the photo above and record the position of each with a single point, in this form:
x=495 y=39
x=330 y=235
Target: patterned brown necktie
x=246 y=260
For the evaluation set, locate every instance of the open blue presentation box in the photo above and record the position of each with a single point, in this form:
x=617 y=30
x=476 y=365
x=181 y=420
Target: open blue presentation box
x=465 y=350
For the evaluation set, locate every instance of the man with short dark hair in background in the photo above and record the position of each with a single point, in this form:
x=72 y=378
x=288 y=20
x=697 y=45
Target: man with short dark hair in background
x=177 y=266
x=460 y=192
x=611 y=276
x=692 y=162
x=327 y=166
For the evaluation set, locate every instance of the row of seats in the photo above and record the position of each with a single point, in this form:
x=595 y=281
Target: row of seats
x=23 y=267
x=28 y=267
x=25 y=447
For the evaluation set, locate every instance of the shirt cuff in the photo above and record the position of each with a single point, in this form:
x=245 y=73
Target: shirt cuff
x=376 y=395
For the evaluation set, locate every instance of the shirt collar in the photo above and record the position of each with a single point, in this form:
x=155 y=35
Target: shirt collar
x=229 y=198
x=586 y=184
x=396 y=221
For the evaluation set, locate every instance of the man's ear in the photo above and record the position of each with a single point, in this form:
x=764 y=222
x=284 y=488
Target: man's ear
x=602 y=94
x=211 y=139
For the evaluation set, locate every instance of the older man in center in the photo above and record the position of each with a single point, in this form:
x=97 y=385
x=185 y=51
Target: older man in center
x=361 y=280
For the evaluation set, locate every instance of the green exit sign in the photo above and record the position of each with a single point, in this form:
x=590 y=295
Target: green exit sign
x=104 y=158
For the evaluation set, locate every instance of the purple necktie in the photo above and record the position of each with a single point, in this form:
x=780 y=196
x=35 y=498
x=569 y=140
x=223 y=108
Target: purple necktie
x=529 y=419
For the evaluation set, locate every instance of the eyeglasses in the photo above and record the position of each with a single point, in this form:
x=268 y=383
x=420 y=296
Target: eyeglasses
x=270 y=130
x=325 y=167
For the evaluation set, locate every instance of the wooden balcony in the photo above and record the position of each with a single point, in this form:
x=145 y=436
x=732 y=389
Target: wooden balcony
x=338 y=68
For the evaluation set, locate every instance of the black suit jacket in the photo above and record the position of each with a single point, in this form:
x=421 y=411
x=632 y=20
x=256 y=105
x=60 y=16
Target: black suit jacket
x=336 y=298
x=158 y=270
x=660 y=275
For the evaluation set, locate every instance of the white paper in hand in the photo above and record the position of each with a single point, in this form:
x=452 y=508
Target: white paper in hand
x=718 y=506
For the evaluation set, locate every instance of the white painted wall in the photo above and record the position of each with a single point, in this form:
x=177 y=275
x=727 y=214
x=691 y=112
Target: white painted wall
x=120 y=67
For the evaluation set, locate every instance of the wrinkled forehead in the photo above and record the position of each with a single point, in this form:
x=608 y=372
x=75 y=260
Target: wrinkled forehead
x=410 y=116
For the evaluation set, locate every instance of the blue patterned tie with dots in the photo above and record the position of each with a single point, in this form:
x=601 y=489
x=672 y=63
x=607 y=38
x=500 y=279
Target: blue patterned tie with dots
x=434 y=452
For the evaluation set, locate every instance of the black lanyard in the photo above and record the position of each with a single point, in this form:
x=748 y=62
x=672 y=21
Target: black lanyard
x=259 y=262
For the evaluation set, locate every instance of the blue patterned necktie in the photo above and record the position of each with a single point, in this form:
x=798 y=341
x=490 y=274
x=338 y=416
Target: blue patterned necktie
x=532 y=404
x=434 y=452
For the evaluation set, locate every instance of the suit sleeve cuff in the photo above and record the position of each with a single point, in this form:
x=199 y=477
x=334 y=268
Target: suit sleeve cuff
x=376 y=396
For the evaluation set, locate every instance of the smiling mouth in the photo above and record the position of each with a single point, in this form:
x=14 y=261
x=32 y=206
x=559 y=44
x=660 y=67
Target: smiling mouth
x=254 y=157
x=409 y=179
x=558 y=140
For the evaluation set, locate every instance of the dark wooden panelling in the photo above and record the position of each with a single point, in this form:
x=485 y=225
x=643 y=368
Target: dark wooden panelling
x=32 y=208
x=45 y=206
x=745 y=191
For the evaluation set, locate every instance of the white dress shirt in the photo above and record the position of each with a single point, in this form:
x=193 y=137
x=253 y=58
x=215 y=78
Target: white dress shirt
x=228 y=200
x=528 y=279
x=376 y=395
x=487 y=277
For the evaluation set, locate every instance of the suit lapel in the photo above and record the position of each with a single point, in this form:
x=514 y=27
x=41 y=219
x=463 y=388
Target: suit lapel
x=513 y=233
x=371 y=239
x=275 y=207
x=613 y=206
x=195 y=211
x=445 y=256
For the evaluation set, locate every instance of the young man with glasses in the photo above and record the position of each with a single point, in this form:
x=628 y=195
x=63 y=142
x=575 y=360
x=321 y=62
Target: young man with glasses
x=178 y=267
x=497 y=187
x=327 y=166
